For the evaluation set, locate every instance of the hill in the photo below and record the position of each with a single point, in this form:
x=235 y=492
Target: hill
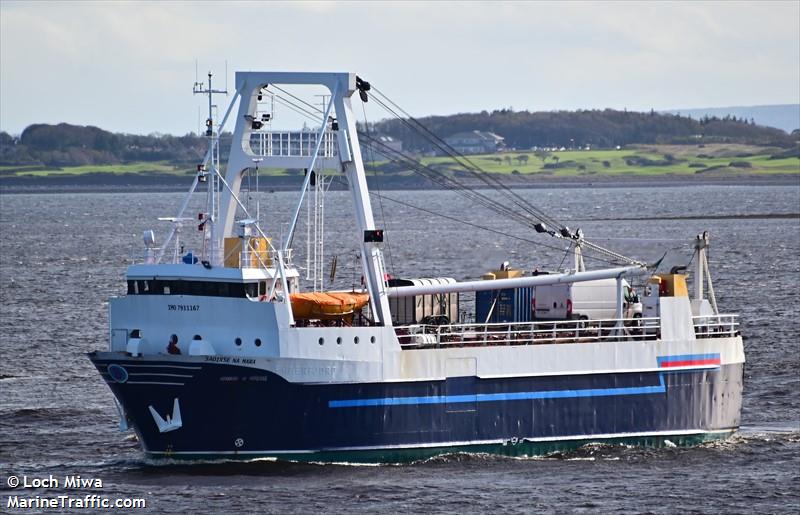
x=66 y=145
x=75 y=145
x=599 y=129
x=782 y=116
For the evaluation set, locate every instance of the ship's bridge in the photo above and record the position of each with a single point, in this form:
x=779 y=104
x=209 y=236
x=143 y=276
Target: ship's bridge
x=198 y=279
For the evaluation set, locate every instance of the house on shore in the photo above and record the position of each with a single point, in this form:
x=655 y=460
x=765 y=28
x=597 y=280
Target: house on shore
x=476 y=142
x=383 y=151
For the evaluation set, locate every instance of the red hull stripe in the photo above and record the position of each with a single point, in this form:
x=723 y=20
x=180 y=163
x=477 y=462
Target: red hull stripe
x=690 y=363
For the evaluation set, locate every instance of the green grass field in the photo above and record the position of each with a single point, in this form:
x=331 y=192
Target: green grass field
x=139 y=167
x=685 y=160
x=153 y=168
x=641 y=160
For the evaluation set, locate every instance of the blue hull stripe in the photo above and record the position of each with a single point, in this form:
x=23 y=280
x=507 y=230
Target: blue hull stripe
x=494 y=397
x=522 y=396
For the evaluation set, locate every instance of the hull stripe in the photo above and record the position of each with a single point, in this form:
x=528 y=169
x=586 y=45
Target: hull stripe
x=690 y=363
x=157 y=374
x=148 y=365
x=697 y=360
x=689 y=360
x=150 y=382
x=495 y=397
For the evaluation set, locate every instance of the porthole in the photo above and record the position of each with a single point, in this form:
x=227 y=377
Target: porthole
x=339 y=340
x=371 y=339
x=355 y=340
x=238 y=341
x=258 y=342
x=321 y=341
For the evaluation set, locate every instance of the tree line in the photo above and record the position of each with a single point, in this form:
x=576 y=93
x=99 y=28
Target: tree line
x=607 y=128
x=72 y=145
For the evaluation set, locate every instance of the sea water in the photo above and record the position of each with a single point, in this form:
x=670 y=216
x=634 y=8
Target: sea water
x=63 y=255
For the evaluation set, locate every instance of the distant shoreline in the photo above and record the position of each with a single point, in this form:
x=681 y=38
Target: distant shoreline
x=116 y=183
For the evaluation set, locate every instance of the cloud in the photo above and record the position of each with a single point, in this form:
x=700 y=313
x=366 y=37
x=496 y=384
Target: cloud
x=129 y=65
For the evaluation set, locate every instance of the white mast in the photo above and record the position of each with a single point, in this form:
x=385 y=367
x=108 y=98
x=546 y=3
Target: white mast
x=209 y=230
x=702 y=273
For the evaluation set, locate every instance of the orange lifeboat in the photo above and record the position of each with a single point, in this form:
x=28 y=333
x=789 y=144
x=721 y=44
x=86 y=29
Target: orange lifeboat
x=326 y=305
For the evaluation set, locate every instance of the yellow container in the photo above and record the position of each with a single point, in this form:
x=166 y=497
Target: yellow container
x=673 y=285
x=502 y=274
x=258 y=255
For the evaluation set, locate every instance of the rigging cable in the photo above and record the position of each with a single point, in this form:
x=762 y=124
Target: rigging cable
x=484 y=228
x=433 y=175
x=444 y=180
x=452 y=183
x=474 y=195
x=312 y=106
x=467 y=163
x=377 y=185
x=489 y=179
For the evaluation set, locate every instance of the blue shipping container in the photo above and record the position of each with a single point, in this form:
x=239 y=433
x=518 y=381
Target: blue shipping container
x=511 y=305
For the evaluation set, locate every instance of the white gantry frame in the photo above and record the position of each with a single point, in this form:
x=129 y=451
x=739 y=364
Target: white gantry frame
x=341 y=86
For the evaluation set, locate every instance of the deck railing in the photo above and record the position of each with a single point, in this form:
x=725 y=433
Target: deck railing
x=422 y=336
x=716 y=326
x=527 y=333
x=255 y=259
x=292 y=144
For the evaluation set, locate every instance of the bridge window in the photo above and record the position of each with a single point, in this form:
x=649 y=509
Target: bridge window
x=199 y=288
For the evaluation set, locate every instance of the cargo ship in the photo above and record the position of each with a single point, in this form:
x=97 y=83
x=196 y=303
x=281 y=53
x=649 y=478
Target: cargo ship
x=232 y=354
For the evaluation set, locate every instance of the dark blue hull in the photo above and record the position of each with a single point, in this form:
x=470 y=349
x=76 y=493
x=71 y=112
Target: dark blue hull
x=232 y=411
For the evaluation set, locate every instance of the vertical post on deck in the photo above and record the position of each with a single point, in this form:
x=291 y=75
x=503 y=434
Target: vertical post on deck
x=619 y=314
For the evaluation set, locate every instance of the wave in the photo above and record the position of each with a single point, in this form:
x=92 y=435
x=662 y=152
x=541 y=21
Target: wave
x=759 y=438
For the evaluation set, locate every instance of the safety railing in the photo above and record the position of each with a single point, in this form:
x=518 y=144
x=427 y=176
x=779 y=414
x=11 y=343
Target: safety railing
x=292 y=144
x=263 y=259
x=527 y=333
x=716 y=326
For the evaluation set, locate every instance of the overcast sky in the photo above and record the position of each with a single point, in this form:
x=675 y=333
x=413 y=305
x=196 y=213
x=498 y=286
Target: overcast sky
x=129 y=67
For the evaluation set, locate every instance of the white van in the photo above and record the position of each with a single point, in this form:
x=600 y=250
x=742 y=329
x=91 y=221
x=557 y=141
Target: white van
x=587 y=300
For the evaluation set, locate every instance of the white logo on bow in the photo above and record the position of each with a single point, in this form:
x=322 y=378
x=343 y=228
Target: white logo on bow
x=172 y=422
